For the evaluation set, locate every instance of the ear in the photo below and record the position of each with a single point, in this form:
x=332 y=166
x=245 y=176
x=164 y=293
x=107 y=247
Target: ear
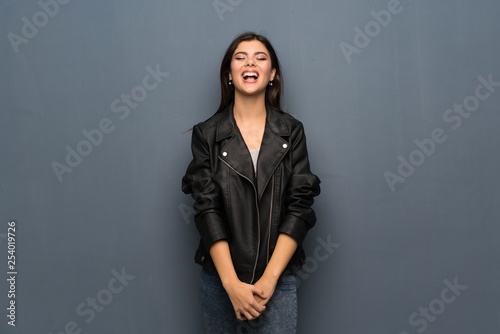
x=273 y=73
x=230 y=76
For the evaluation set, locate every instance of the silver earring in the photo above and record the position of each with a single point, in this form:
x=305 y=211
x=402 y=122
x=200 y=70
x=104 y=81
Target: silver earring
x=270 y=83
x=230 y=82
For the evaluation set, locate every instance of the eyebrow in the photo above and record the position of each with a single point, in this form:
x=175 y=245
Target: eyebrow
x=246 y=53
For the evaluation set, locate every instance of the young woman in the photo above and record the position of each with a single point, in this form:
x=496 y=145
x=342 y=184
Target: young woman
x=253 y=191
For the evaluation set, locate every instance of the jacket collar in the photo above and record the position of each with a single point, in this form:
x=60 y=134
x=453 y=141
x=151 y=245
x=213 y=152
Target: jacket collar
x=235 y=154
x=274 y=120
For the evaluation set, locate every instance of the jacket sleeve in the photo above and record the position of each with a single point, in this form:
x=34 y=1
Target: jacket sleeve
x=198 y=181
x=301 y=189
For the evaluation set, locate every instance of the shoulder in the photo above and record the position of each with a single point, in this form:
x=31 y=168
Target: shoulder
x=292 y=120
x=208 y=124
x=285 y=122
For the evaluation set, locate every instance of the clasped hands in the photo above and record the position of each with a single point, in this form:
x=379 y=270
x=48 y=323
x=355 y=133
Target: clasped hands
x=249 y=301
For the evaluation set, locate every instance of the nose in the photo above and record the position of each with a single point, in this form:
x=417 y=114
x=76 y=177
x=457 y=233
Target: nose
x=250 y=62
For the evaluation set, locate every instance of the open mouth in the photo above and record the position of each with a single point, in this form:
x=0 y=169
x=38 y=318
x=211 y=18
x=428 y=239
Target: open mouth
x=250 y=76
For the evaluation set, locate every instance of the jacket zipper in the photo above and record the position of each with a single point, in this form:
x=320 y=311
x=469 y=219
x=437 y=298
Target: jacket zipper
x=258 y=218
x=270 y=221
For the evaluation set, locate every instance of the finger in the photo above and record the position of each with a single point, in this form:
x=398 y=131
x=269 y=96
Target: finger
x=259 y=292
x=242 y=315
x=254 y=310
x=258 y=299
x=249 y=313
x=252 y=314
x=245 y=316
x=258 y=306
x=263 y=302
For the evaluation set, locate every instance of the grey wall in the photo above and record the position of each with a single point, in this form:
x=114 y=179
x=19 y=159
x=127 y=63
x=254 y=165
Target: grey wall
x=402 y=129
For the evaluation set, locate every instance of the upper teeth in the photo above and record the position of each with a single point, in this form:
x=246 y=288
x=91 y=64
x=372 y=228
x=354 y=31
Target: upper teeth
x=250 y=74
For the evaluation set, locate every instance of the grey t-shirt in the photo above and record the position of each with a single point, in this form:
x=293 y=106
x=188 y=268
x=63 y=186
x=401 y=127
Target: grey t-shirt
x=255 y=156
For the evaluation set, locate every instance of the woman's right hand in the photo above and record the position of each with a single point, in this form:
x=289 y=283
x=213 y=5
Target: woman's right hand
x=242 y=296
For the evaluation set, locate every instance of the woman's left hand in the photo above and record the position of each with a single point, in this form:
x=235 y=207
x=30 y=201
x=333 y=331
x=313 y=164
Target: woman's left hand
x=268 y=285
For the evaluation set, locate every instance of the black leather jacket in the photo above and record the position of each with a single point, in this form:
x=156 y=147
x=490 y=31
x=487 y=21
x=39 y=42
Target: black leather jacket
x=249 y=209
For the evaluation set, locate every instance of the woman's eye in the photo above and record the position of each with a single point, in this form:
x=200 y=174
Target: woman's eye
x=261 y=58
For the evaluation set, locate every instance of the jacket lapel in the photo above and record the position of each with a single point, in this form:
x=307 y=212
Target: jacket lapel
x=236 y=155
x=234 y=151
x=273 y=148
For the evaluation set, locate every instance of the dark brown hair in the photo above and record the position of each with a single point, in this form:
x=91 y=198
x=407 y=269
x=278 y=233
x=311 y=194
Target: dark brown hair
x=273 y=93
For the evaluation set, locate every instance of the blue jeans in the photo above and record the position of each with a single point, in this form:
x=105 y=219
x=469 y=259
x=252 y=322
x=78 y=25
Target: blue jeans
x=280 y=316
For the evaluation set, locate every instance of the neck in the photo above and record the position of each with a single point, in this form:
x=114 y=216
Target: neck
x=249 y=107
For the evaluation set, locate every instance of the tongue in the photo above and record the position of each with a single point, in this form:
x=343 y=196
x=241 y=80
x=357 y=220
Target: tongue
x=249 y=79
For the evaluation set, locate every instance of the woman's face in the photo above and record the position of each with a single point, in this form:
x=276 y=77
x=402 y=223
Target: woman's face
x=251 y=68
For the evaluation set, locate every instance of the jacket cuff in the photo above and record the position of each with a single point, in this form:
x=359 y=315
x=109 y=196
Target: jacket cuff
x=211 y=228
x=294 y=227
